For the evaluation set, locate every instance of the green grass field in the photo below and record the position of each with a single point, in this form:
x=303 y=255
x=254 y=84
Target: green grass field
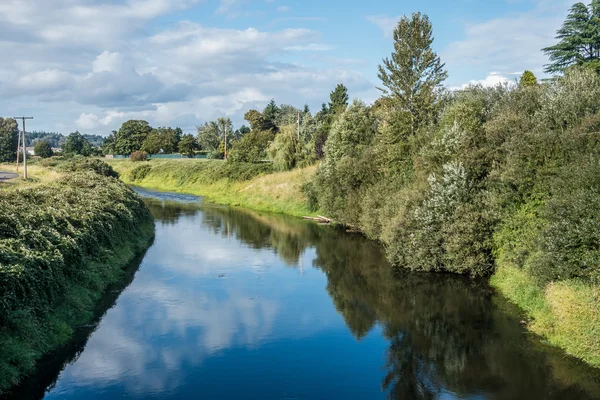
x=252 y=186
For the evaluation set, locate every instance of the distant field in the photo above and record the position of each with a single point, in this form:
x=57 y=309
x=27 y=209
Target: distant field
x=249 y=185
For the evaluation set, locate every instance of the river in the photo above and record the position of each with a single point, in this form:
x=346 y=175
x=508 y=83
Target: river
x=236 y=304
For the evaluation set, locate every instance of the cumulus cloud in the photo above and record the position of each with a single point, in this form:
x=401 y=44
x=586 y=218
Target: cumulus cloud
x=98 y=62
x=508 y=43
x=492 y=80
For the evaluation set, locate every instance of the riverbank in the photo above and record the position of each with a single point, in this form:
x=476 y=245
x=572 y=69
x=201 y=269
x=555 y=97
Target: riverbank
x=61 y=245
x=253 y=186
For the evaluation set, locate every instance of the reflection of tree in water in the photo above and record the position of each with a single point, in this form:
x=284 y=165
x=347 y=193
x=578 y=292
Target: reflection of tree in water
x=446 y=333
x=288 y=237
x=170 y=212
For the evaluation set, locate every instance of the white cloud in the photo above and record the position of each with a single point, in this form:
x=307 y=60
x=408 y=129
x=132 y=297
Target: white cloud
x=492 y=80
x=508 y=43
x=385 y=23
x=283 y=9
x=97 y=62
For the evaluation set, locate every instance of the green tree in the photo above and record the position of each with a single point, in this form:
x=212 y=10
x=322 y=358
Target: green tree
x=579 y=39
x=528 y=79
x=414 y=73
x=9 y=136
x=131 y=136
x=76 y=144
x=255 y=119
x=43 y=149
x=108 y=147
x=208 y=136
x=270 y=115
x=163 y=140
x=339 y=99
x=251 y=147
x=187 y=145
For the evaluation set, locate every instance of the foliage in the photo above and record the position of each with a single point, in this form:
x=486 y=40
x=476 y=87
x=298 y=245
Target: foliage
x=81 y=164
x=579 y=39
x=252 y=147
x=338 y=99
x=131 y=136
x=528 y=79
x=188 y=145
x=9 y=135
x=414 y=73
x=138 y=155
x=256 y=120
x=57 y=256
x=270 y=115
x=211 y=134
x=162 y=140
x=77 y=144
x=108 y=147
x=43 y=149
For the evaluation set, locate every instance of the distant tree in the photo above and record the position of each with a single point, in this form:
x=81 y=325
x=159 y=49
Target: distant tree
x=108 y=146
x=208 y=136
x=339 y=99
x=164 y=140
x=255 y=119
x=414 y=73
x=528 y=79
x=9 y=135
x=76 y=144
x=270 y=115
x=252 y=147
x=306 y=109
x=131 y=136
x=241 y=131
x=579 y=39
x=43 y=149
x=188 y=145
x=288 y=115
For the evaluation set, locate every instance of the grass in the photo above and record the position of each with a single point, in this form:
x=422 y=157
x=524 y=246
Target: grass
x=36 y=175
x=252 y=186
x=566 y=313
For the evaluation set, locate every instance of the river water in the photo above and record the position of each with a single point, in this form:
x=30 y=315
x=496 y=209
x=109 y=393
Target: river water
x=236 y=304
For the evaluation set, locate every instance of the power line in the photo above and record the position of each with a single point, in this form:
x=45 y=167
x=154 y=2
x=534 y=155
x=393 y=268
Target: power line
x=24 y=147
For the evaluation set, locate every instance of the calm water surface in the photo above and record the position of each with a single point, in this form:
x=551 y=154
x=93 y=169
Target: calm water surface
x=235 y=304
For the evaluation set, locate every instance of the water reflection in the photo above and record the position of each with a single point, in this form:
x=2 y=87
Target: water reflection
x=230 y=303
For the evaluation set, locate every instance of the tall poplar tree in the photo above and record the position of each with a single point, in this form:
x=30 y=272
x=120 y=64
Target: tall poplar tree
x=414 y=73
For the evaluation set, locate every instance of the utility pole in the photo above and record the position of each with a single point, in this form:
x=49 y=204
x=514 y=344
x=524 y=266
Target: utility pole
x=24 y=148
x=225 y=155
x=298 y=126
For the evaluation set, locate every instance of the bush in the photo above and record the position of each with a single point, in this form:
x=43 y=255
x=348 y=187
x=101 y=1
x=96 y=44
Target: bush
x=80 y=164
x=139 y=156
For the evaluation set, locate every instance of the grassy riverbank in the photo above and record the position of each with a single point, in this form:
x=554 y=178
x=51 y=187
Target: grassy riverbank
x=61 y=245
x=252 y=186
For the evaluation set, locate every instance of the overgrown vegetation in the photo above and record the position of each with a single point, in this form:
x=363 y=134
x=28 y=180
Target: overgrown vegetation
x=61 y=245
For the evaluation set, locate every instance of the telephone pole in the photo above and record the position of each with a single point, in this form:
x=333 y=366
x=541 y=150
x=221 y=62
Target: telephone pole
x=24 y=148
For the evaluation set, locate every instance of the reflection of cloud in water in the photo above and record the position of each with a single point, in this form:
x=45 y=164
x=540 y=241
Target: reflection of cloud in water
x=196 y=295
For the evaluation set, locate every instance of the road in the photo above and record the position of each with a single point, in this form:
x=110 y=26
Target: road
x=4 y=176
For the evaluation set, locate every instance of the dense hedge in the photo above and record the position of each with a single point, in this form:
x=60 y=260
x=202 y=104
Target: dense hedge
x=61 y=245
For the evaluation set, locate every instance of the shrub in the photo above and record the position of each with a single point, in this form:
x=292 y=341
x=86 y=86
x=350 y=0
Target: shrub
x=80 y=164
x=139 y=156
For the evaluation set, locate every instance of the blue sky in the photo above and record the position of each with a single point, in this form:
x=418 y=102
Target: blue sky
x=91 y=64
